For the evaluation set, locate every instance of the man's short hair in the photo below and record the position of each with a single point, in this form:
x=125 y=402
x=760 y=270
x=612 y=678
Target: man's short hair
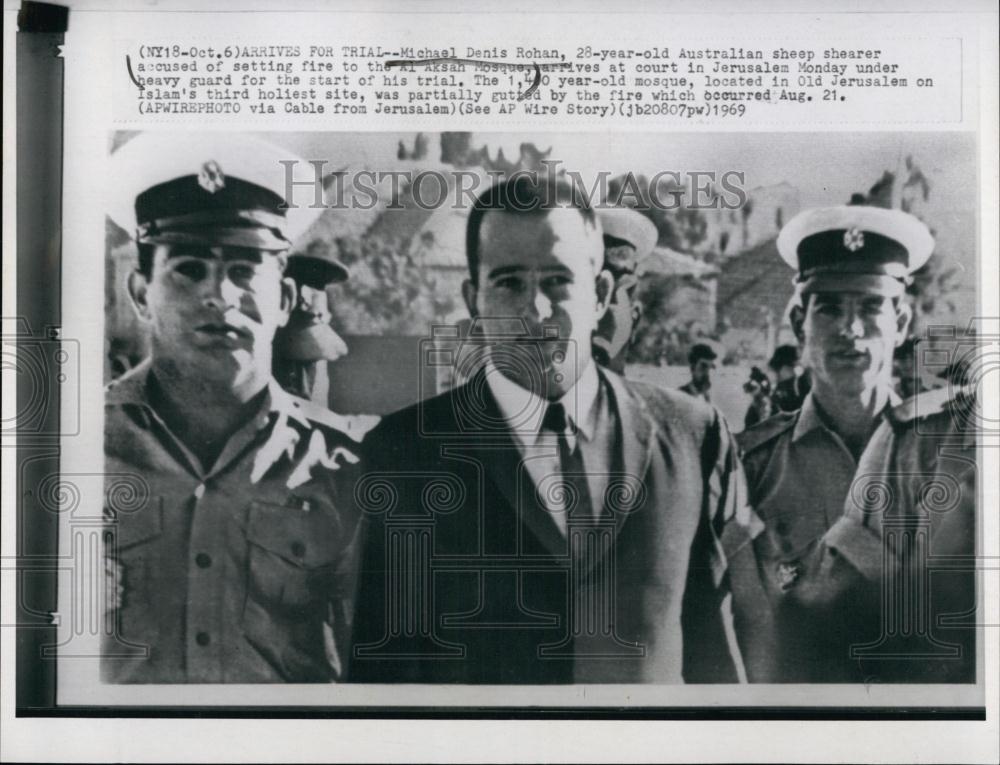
x=701 y=351
x=522 y=194
x=146 y=253
x=784 y=356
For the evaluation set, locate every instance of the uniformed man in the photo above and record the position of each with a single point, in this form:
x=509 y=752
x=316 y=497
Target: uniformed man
x=307 y=343
x=791 y=382
x=905 y=370
x=237 y=567
x=905 y=548
x=629 y=237
x=852 y=264
x=701 y=360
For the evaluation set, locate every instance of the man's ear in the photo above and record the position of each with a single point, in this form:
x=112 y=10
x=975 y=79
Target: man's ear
x=636 y=316
x=797 y=318
x=138 y=287
x=469 y=295
x=904 y=315
x=289 y=295
x=605 y=287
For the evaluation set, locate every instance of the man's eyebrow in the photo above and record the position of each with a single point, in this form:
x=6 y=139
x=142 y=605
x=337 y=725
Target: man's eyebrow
x=242 y=253
x=205 y=252
x=504 y=270
x=190 y=251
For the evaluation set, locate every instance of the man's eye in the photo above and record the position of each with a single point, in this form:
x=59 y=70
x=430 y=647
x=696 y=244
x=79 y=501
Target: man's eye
x=241 y=274
x=872 y=308
x=554 y=282
x=828 y=309
x=508 y=283
x=195 y=270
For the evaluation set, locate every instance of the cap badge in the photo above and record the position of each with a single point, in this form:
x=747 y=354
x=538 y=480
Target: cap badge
x=210 y=177
x=854 y=239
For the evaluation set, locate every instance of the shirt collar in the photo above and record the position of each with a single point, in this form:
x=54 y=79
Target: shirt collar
x=810 y=419
x=523 y=410
x=131 y=389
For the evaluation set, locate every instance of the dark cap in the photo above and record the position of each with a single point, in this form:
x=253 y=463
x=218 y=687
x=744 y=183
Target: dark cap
x=315 y=270
x=701 y=351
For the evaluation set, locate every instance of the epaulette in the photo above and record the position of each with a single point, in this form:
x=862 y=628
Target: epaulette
x=354 y=426
x=766 y=431
x=931 y=402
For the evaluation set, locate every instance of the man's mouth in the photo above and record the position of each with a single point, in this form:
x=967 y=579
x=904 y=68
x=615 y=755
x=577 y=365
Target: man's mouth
x=223 y=330
x=851 y=355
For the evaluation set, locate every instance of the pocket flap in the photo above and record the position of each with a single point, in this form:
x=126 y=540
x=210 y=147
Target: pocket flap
x=304 y=537
x=138 y=526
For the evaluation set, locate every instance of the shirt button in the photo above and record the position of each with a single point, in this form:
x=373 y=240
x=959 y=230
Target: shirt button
x=298 y=549
x=203 y=560
x=199 y=491
x=202 y=639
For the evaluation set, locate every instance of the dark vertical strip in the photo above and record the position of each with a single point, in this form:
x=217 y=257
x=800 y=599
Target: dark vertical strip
x=41 y=30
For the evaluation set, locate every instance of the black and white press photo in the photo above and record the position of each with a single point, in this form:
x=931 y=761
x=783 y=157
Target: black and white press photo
x=472 y=408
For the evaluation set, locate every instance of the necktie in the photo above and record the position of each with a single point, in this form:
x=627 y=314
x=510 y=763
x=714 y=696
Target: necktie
x=576 y=492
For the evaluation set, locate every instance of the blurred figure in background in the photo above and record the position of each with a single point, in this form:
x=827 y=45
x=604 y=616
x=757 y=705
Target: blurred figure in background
x=904 y=369
x=791 y=381
x=701 y=359
x=304 y=346
x=629 y=237
x=761 y=406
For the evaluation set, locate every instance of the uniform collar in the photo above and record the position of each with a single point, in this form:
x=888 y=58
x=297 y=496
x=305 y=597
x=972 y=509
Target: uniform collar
x=131 y=390
x=810 y=419
x=523 y=410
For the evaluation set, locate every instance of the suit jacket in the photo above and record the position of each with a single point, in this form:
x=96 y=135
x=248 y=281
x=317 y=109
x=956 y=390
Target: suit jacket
x=466 y=577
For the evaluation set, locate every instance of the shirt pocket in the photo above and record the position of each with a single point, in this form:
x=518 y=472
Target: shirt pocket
x=132 y=540
x=292 y=557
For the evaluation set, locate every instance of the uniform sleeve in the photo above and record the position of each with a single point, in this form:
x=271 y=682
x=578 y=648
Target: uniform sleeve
x=711 y=648
x=851 y=557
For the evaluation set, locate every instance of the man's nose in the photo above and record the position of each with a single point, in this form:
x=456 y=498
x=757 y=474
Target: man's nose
x=854 y=325
x=542 y=305
x=221 y=292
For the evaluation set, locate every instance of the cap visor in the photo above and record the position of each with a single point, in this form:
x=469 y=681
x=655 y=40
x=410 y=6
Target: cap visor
x=256 y=238
x=877 y=284
x=316 y=272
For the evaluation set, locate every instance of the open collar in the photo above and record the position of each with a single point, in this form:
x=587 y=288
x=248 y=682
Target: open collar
x=810 y=418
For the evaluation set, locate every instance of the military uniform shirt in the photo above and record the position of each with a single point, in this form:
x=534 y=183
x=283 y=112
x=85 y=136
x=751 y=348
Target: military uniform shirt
x=917 y=479
x=799 y=474
x=238 y=572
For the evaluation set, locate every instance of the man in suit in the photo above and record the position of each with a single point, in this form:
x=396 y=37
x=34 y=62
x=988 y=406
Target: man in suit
x=547 y=521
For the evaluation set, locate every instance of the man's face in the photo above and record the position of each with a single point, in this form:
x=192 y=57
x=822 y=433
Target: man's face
x=701 y=372
x=214 y=309
x=537 y=281
x=312 y=305
x=617 y=326
x=849 y=339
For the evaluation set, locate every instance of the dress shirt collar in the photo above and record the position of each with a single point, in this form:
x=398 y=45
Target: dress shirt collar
x=523 y=410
